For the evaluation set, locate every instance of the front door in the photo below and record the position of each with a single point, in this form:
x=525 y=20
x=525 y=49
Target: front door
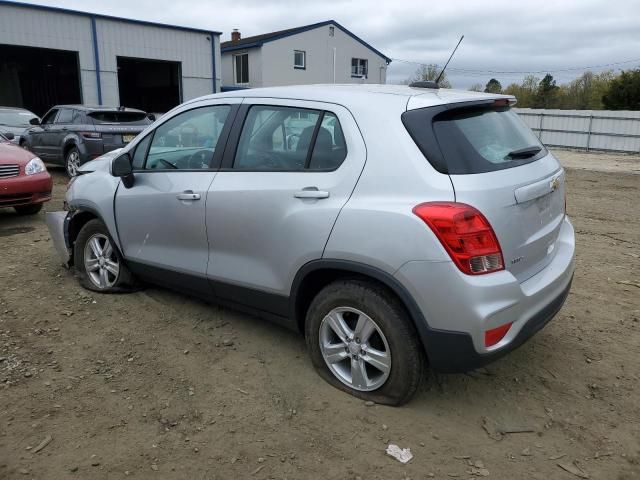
x=161 y=219
x=39 y=134
x=273 y=204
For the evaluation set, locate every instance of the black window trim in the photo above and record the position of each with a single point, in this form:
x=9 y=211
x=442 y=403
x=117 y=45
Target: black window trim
x=304 y=60
x=219 y=148
x=233 y=141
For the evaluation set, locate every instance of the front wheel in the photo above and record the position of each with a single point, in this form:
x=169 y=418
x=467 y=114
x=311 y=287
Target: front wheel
x=97 y=261
x=361 y=341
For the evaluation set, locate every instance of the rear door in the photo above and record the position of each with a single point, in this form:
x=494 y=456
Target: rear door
x=161 y=219
x=497 y=165
x=289 y=168
x=53 y=139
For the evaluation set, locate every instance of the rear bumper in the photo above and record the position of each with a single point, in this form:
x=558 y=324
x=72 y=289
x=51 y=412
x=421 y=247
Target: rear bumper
x=458 y=308
x=58 y=223
x=25 y=190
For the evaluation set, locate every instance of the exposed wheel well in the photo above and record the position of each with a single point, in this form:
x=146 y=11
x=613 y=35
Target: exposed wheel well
x=67 y=147
x=75 y=225
x=316 y=280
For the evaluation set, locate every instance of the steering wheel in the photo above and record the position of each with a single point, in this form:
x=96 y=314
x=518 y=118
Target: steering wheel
x=199 y=159
x=167 y=163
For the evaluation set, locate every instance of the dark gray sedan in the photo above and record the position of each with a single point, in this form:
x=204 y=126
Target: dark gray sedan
x=71 y=135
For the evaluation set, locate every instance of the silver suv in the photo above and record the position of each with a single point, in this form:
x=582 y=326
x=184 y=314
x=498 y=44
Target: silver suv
x=396 y=227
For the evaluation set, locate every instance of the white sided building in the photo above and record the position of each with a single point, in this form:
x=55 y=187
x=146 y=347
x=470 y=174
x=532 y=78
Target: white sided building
x=324 y=52
x=52 y=56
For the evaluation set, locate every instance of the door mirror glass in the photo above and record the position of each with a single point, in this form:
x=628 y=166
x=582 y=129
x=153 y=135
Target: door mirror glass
x=34 y=121
x=121 y=167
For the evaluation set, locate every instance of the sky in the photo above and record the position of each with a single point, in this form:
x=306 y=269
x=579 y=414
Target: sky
x=513 y=37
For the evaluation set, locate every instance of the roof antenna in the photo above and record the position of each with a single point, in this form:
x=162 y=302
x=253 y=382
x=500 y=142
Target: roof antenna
x=452 y=54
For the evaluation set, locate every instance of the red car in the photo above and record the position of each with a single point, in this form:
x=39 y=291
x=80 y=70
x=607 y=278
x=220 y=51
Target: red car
x=25 y=183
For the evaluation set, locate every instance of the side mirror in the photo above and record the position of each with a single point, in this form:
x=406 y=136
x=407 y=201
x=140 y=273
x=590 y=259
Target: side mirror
x=34 y=121
x=151 y=117
x=121 y=167
x=8 y=135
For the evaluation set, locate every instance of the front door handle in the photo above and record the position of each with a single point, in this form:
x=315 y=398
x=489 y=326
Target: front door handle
x=188 y=195
x=311 y=192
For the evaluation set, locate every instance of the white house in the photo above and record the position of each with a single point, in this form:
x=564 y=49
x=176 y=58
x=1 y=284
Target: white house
x=324 y=52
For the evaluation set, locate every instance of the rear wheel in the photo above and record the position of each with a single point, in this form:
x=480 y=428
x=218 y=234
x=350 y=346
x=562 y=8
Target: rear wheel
x=361 y=341
x=97 y=261
x=28 y=209
x=72 y=162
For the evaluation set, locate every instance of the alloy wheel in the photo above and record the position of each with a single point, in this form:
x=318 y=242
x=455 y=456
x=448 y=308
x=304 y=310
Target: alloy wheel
x=355 y=349
x=100 y=261
x=73 y=163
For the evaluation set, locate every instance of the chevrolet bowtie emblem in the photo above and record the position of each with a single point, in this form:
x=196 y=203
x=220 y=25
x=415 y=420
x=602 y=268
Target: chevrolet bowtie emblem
x=554 y=184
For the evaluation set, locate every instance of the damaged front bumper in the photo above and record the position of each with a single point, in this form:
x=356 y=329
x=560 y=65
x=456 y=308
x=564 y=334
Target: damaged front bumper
x=57 y=223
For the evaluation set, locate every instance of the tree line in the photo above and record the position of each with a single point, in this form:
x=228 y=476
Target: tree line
x=590 y=91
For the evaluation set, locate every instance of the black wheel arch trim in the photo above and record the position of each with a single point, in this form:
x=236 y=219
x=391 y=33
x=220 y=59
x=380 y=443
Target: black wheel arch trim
x=80 y=210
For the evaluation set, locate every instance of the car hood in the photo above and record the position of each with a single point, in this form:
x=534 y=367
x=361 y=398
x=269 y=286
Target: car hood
x=11 y=154
x=102 y=163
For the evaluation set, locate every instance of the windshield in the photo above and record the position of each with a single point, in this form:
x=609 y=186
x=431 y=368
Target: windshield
x=473 y=139
x=138 y=118
x=15 y=118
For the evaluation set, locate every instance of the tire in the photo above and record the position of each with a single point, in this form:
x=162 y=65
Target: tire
x=28 y=209
x=392 y=333
x=99 y=265
x=72 y=161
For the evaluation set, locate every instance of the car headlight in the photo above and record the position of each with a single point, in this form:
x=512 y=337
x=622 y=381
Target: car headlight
x=34 y=166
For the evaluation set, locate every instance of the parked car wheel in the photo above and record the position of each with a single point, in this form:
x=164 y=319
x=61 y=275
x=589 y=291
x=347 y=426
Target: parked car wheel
x=28 y=209
x=72 y=162
x=361 y=341
x=98 y=262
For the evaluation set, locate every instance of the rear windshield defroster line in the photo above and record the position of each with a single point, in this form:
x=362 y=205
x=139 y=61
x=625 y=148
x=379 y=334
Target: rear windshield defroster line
x=470 y=138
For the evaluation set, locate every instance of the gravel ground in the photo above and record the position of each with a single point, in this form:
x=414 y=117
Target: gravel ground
x=158 y=385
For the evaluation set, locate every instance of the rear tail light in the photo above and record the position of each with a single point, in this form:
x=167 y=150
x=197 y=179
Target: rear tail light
x=466 y=235
x=493 y=336
x=91 y=134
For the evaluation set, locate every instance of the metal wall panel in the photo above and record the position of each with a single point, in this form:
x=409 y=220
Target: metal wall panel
x=589 y=129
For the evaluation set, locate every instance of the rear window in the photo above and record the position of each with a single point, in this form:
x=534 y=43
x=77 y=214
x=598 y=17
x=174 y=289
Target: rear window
x=473 y=140
x=137 y=118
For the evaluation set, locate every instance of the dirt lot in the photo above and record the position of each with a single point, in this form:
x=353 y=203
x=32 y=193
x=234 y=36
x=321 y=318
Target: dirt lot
x=158 y=385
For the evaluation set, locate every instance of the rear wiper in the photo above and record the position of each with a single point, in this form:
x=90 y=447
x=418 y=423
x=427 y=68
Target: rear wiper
x=525 y=152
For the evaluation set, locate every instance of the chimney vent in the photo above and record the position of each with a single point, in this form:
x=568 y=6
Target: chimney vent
x=235 y=35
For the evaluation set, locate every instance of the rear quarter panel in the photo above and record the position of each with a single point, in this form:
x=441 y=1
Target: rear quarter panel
x=377 y=226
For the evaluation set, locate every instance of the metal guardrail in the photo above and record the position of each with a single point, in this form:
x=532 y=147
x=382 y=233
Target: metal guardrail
x=608 y=140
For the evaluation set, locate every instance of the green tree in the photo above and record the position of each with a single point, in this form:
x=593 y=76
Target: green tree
x=624 y=92
x=429 y=72
x=547 y=93
x=476 y=87
x=493 y=86
x=524 y=92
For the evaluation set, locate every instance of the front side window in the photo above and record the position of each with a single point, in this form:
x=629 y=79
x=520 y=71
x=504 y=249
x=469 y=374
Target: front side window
x=241 y=68
x=187 y=141
x=299 y=59
x=289 y=139
x=359 y=67
x=50 y=117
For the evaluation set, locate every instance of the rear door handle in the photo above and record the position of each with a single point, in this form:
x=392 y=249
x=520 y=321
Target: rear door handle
x=188 y=195
x=311 y=192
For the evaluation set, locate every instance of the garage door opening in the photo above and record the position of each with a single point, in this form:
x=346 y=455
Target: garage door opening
x=38 y=78
x=150 y=85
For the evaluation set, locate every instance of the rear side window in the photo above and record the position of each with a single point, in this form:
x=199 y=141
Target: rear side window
x=137 y=118
x=473 y=140
x=290 y=139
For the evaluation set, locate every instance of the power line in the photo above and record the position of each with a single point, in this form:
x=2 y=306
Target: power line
x=497 y=72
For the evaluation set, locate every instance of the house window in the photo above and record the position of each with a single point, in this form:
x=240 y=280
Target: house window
x=359 y=67
x=299 y=59
x=331 y=31
x=241 y=68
